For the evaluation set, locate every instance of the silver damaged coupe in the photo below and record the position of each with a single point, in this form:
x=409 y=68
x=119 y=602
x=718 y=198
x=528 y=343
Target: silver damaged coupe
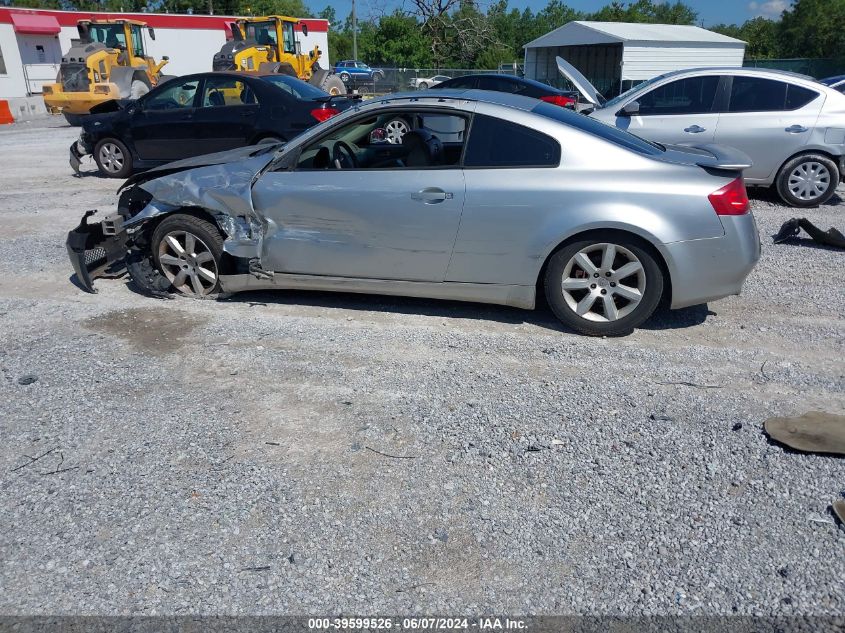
x=487 y=197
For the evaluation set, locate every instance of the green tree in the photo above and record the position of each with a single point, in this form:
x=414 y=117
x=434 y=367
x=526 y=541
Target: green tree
x=813 y=28
x=395 y=41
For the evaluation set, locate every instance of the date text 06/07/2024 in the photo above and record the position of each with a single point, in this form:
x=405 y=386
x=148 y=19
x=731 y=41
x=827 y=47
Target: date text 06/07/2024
x=417 y=623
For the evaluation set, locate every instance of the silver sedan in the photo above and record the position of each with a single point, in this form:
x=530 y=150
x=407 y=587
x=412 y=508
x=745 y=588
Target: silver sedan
x=490 y=197
x=791 y=126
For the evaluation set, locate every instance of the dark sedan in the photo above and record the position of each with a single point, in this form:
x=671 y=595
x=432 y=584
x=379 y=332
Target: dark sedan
x=513 y=85
x=200 y=114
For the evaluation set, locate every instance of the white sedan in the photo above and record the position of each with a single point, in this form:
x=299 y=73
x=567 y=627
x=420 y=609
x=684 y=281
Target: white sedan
x=421 y=83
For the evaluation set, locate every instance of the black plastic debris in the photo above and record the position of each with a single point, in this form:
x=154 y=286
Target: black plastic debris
x=791 y=228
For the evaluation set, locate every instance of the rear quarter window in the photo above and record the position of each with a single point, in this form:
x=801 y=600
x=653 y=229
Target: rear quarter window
x=497 y=143
x=798 y=97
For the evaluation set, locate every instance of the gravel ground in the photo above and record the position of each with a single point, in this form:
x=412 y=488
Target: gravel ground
x=300 y=452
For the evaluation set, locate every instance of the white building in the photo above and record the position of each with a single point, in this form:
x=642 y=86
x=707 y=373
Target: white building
x=32 y=42
x=616 y=55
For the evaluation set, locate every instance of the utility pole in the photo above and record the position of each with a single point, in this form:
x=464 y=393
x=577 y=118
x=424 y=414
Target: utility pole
x=354 y=32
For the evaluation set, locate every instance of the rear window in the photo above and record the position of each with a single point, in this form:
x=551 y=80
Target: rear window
x=755 y=94
x=593 y=126
x=497 y=143
x=295 y=87
x=798 y=97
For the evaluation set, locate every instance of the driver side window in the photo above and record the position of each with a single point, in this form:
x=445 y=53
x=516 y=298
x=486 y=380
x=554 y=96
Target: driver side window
x=173 y=96
x=422 y=139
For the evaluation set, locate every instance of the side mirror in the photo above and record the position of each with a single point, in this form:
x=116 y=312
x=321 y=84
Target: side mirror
x=304 y=28
x=152 y=33
x=631 y=108
x=165 y=58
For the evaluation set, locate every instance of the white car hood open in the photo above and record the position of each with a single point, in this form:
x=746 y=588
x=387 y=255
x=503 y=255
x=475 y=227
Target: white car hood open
x=581 y=83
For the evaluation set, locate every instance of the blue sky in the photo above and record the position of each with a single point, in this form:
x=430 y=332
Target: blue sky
x=709 y=11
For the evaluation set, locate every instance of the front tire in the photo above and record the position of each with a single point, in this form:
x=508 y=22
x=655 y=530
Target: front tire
x=138 y=89
x=422 y=85
x=603 y=286
x=113 y=158
x=333 y=85
x=808 y=180
x=188 y=251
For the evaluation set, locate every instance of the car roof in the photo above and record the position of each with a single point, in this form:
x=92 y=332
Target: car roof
x=829 y=81
x=742 y=70
x=525 y=80
x=508 y=99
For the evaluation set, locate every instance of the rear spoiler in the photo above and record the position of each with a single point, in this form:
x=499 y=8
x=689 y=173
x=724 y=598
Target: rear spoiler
x=720 y=157
x=330 y=98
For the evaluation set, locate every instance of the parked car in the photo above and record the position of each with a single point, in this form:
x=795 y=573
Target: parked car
x=837 y=82
x=355 y=71
x=198 y=114
x=791 y=126
x=531 y=195
x=421 y=83
x=513 y=85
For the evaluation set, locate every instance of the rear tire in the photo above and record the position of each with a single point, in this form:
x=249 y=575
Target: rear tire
x=808 y=180
x=344 y=77
x=606 y=285
x=113 y=158
x=188 y=251
x=422 y=85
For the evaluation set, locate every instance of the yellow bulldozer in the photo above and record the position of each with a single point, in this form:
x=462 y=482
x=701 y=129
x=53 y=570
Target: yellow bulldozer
x=269 y=44
x=108 y=61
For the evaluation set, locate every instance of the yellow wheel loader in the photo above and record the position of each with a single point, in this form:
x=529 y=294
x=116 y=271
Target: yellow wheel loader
x=269 y=44
x=106 y=62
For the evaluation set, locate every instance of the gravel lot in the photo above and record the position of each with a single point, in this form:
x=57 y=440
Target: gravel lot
x=300 y=452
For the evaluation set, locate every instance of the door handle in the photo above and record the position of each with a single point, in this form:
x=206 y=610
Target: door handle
x=431 y=195
x=694 y=129
x=796 y=129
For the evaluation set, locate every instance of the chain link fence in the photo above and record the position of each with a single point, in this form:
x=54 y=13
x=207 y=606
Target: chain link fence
x=818 y=68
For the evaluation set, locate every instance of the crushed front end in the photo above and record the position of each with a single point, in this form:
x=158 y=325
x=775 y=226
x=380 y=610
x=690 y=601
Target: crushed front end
x=98 y=249
x=217 y=187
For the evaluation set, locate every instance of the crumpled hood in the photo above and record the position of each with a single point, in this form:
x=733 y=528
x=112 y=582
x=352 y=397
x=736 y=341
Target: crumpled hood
x=231 y=157
x=219 y=182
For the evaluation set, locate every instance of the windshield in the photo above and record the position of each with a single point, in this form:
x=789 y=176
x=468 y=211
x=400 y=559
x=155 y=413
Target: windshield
x=112 y=35
x=264 y=33
x=295 y=87
x=617 y=100
x=602 y=130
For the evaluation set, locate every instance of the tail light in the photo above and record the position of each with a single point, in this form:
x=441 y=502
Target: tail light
x=324 y=114
x=564 y=102
x=732 y=199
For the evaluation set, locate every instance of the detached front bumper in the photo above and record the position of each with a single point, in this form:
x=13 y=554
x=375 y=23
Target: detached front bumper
x=97 y=250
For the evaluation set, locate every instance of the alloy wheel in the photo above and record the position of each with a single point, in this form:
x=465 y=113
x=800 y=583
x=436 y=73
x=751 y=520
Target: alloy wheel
x=809 y=181
x=188 y=263
x=396 y=130
x=111 y=157
x=603 y=282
